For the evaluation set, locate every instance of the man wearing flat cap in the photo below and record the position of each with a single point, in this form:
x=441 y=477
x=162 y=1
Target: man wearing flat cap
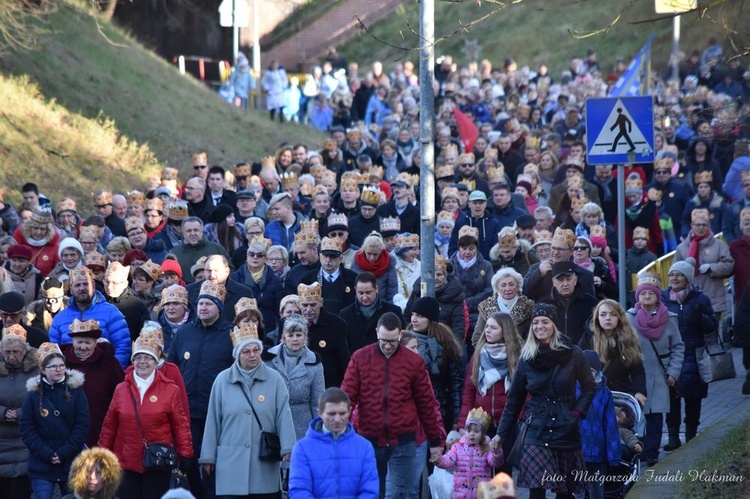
x=574 y=306
x=12 y=312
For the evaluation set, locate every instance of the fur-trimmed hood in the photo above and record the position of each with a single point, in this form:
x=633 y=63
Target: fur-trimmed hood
x=73 y=379
x=29 y=363
x=523 y=245
x=81 y=468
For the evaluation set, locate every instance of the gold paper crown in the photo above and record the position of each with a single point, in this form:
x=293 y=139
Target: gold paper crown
x=661 y=164
x=243 y=333
x=598 y=231
x=478 y=416
x=576 y=182
x=260 y=241
x=564 y=236
x=330 y=244
x=500 y=487
x=511 y=124
x=102 y=198
x=95 y=259
x=42 y=215
x=330 y=145
x=152 y=270
x=307 y=190
x=169 y=173
x=317 y=171
x=543 y=237
x=745 y=175
x=268 y=162
x=446 y=216
x=354 y=134
x=444 y=171
x=46 y=349
x=655 y=194
x=470 y=184
x=88 y=231
x=407 y=241
x=370 y=196
x=309 y=225
x=152 y=331
x=449 y=192
x=313 y=292
x=745 y=215
x=319 y=189
x=152 y=183
x=149 y=344
x=450 y=149
x=200 y=159
x=66 y=204
x=574 y=161
x=377 y=172
x=117 y=272
x=468 y=231
x=704 y=178
x=506 y=238
x=16 y=331
x=178 y=209
x=174 y=294
x=466 y=157
x=307 y=237
x=136 y=197
x=244 y=304
x=390 y=224
x=155 y=204
x=640 y=233
x=649 y=278
x=133 y=223
x=218 y=291
x=490 y=152
x=84 y=326
x=338 y=220
x=578 y=203
x=531 y=168
x=242 y=170
x=406 y=178
x=82 y=272
x=699 y=214
x=533 y=142
x=289 y=179
x=171 y=185
x=329 y=175
x=634 y=182
x=496 y=172
x=441 y=264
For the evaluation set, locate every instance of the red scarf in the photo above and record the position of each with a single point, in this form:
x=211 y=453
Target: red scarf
x=693 y=250
x=378 y=267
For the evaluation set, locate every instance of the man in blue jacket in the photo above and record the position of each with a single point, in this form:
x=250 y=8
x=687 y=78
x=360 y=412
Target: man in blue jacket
x=85 y=303
x=332 y=460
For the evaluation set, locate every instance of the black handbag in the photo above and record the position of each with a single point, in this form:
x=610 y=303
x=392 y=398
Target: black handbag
x=514 y=456
x=156 y=457
x=270 y=445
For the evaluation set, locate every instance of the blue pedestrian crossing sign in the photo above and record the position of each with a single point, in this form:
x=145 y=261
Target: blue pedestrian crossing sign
x=619 y=130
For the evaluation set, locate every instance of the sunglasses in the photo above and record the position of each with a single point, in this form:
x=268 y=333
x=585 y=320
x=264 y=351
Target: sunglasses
x=580 y=248
x=466 y=164
x=339 y=233
x=253 y=254
x=200 y=167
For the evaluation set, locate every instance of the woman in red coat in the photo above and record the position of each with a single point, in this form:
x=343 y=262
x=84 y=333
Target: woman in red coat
x=163 y=420
x=39 y=233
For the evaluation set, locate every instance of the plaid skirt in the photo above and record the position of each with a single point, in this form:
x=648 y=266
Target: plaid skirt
x=552 y=469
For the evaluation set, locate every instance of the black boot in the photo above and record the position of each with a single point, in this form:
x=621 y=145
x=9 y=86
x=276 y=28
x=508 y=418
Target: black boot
x=746 y=385
x=690 y=432
x=674 y=438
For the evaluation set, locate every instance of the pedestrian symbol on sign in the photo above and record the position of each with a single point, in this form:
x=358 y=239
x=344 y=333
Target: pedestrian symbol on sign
x=619 y=130
x=626 y=126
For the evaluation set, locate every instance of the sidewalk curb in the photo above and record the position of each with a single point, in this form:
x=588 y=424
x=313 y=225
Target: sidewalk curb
x=665 y=478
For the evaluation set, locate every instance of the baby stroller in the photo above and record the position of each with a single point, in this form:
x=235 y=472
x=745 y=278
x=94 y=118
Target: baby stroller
x=630 y=465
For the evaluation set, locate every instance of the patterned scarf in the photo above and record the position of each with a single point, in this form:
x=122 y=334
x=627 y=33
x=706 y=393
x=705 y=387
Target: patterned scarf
x=493 y=363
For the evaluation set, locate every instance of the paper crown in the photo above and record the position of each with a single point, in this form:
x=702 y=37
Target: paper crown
x=148 y=344
x=317 y=171
x=178 y=209
x=390 y=224
x=82 y=272
x=466 y=157
x=16 y=332
x=242 y=170
x=261 y=242
x=174 y=294
x=169 y=173
x=155 y=204
x=531 y=168
x=500 y=487
x=471 y=185
x=306 y=237
x=598 y=231
x=133 y=223
x=655 y=195
x=329 y=175
x=354 y=134
x=490 y=153
x=151 y=331
x=407 y=241
x=330 y=244
x=745 y=215
x=117 y=272
x=46 y=349
x=268 y=162
x=441 y=264
x=578 y=203
x=309 y=225
x=468 y=231
x=699 y=214
x=574 y=161
x=88 y=231
x=318 y=189
x=85 y=328
x=152 y=270
x=406 y=178
x=377 y=172
x=640 y=233
x=478 y=416
x=136 y=197
x=370 y=196
x=496 y=172
x=244 y=304
x=218 y=291
x=66 y=204
x=542 y=237
x=445 y=171
x=337 y=220
x=449 y=192
x=42 y=215
x=533 y=142
x=745 y=175
x=313 y=292
x=506 y=238
x=564 y=236
x=330 y=145
x=648 y=278
x=244 y=333
x=705 y=177
x=633 y=182
x=446 y=217
x=662 y=164
x=200 y=159
x=102 y=198
x=96 y=259
x=575 y=182
x=289 y=179
x=52 y=288
x=171 y=185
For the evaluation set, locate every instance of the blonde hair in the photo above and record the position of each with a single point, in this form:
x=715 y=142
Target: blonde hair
x=623 y=336
x=531 y=347
x=512 y=341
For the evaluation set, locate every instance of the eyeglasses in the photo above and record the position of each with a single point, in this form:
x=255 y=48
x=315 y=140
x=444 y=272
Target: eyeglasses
x=388 y=342
x=252 y=254
x=56 y=367
x=275 y=259
x=674 y=274
x=661 y=172
x=580 y=248
x=200 y=167
x=338 y=233
x=558 y=250
x=251 y=235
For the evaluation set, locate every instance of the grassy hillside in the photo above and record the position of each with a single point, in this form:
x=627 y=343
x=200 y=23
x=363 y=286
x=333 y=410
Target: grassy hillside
x=134 y=96
x=533 y=31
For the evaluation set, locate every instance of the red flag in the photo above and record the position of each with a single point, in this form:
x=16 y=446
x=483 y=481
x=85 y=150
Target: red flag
x=467 y=130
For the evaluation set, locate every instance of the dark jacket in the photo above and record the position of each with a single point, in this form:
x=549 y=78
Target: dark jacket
x=14 y=455
x=235 y=291
x=166 y=328
x=133 y=309
x=506 y=216
x=520 y=262
x=620 y=378
x=538 y=287
x=476 y=282
x=493 y=402
x=279 y=234
x=360 y=228
x=453 y=310
x=268 y=292
x=361 y=331
x=187 y=255
x=409 y=218
x=572 y=314
x=202 y=209
x=116 y=225
x=675 y=197
x=337 y=295
x=488 y=229
x=296 y=274
x=327 y=338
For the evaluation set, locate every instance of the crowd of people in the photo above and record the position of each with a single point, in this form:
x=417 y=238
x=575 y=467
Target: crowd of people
x=270 y=315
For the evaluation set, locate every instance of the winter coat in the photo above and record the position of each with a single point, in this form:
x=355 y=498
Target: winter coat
x=166 y=327
x=360 y=228
x=305 y=383
x=163 y=420
x=280 y=235
x=608 y=287
x=103 y=375
x=620 y=378
x=572 y=315
x=80 y=473
x=173 y=374
x=324 y=466
x=235 y=291
x=136 y=312
x=337 y=295
x=635 y=260
x=63 y=431
x=274 y=82
x=187 y=255
x=552 y=398
x=111 y=322
x=13 y=453
x=392 y=395
x=361 y=331
x=695 y=318
x=409 y=217
x=327 y=338
x=739 y=250
x=733 y=182
x=716 y=254
x=649 y=218
x=670 y=350
x=600 y=436
x=476 y=282
x=741 y=336
x=232 y=436
x=538 y=287
x=387 y=283
x=27 y=284
x=471 y=465
x=488 y=227
x=521 y=314
x=268 y=292
x=520 y=262
x=674 y=198
x=453 y=310
x=493 y=402
x=44 y=257
x=730 y=222
x=156 y=250
x=201 y=353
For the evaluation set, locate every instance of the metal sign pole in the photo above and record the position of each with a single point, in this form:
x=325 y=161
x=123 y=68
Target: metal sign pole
x=426 y=135
x=622 y=273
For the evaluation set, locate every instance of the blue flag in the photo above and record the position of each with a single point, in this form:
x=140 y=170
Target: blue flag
x=629 y=84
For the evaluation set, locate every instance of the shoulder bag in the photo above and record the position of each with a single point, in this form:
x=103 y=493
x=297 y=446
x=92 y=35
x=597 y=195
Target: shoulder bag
x=270 y=445
x=156 y=457
x=715 y=362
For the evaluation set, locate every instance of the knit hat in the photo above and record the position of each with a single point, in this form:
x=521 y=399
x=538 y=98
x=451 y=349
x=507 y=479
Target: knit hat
x=648 y=282
x=427 y=307
x=685 y=267
x=545 y=310
x=69 y=242
x=170 y=265
x=20 y=251
x=12 y=302
x=220 y=213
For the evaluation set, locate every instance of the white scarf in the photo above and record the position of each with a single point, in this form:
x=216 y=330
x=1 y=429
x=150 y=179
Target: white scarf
x=143 y=384
x=465 y=264
x=38 y=243
x=506 y=306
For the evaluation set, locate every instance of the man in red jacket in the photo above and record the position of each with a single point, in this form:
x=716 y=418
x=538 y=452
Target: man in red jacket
x=390 y=388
